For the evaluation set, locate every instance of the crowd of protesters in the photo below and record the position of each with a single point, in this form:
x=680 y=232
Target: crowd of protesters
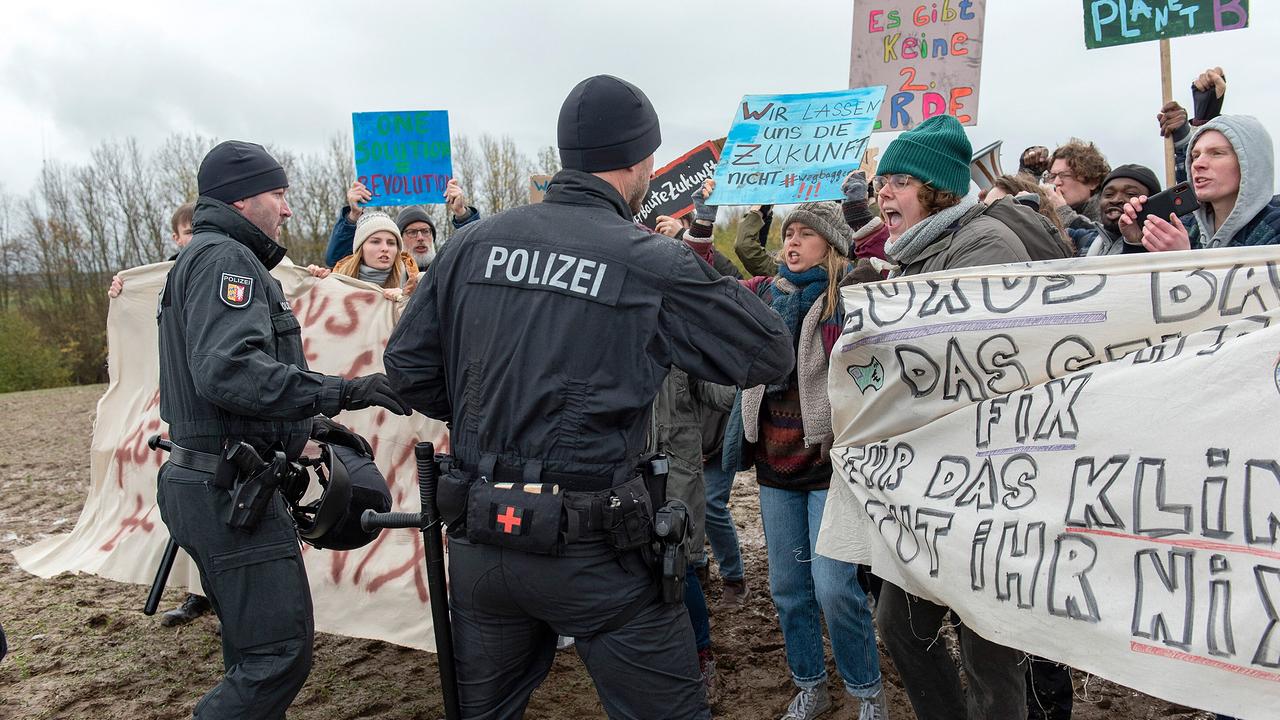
x=1064 y=202
x=916 y=215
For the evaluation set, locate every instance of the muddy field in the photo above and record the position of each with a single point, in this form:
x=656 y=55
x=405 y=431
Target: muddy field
x=80 y=646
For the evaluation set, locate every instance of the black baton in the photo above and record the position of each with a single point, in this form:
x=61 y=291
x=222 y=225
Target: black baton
x=162 y=577
x=170 y=550
x=428 y=519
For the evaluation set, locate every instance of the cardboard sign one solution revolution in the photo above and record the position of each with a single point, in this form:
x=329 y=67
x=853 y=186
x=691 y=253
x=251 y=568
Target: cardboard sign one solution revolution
x=403 y=158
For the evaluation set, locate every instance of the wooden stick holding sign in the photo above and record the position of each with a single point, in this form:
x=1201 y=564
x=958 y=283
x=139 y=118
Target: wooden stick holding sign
x=1121 y=22
x=1166 y=92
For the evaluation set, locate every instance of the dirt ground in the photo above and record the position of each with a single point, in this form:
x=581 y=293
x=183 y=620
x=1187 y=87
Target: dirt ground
x=80 y=646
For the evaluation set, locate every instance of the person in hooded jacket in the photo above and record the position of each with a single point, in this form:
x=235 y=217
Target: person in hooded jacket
x=1232 y=169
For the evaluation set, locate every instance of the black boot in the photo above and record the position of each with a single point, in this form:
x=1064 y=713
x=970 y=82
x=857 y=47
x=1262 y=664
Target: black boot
x=190 y=609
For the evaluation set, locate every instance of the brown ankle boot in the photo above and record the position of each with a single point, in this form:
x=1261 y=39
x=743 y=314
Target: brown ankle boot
x=735 y=593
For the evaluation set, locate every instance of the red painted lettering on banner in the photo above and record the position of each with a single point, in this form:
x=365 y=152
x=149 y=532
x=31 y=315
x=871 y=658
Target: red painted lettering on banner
x=137 y=520
x=413 y=564
x=362 y=361
x=351 y=308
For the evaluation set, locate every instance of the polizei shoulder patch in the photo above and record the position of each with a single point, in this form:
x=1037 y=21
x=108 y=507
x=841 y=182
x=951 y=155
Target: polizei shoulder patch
x=236 y=290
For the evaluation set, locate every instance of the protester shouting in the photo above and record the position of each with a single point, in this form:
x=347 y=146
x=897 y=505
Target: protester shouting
x=924 y=176
x=378 y=258
x=1232 y=173
x=788 y=425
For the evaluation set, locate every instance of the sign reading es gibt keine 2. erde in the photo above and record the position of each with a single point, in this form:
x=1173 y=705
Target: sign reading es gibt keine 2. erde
x=929 y=54
x=1120 y=22
x=784 y=149
x=403 y=157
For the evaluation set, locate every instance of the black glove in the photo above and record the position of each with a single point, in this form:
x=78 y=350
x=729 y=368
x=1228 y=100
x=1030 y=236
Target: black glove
x=371 y=390
x=766 y=214
x=327 y=431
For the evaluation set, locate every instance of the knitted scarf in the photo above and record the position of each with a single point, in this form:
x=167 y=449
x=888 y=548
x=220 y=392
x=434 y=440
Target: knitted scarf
x=920 y=236
x=370 y=275
x=806 y=288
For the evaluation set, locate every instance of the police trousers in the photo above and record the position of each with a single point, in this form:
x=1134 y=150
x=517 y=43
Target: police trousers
x=257 y=585
x=508 y=607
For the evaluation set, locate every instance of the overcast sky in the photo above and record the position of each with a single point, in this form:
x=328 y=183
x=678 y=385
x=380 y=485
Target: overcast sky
x=75 y=73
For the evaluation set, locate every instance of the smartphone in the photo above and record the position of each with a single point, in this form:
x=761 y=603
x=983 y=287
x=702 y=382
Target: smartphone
x=1177 y=200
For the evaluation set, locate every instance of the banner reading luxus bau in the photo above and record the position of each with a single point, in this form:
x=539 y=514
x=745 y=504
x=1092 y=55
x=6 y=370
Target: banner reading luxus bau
x=794 y=148
x=378 y=591
x=929 y=55
x=404 y=158
x=671 y=188
x=1079 y=459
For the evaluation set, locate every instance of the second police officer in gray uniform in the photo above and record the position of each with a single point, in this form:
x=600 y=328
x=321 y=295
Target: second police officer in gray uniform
x=232 y=369
x=542 y=335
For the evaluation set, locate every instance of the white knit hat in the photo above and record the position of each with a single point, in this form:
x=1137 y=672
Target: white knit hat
x=370 y=223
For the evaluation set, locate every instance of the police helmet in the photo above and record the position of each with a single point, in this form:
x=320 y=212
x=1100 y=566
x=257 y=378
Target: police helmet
x=351 y=484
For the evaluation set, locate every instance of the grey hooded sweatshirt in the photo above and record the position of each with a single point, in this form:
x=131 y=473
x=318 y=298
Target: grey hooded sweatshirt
x=1255 y=219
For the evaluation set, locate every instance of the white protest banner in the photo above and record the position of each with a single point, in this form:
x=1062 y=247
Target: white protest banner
x=1079 y=458
x=929 y=54
x=378 y=591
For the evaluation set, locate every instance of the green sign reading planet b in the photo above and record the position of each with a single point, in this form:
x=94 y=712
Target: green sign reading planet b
x=1120 y=22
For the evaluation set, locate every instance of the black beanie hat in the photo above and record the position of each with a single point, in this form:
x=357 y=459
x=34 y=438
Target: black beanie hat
x=1141 y=173
x=605 y=124
x=234 y=170
x=411 y=216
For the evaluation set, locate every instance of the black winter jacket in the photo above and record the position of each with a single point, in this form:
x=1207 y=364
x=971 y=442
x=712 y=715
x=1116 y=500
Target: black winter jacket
x=231 y=359
x=543 y=333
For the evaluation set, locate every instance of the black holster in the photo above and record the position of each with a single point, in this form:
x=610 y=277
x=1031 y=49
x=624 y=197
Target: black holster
x=671 y=528
x=255 y=483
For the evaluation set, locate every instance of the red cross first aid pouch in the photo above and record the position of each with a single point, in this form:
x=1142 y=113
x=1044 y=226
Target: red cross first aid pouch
x=520 y=516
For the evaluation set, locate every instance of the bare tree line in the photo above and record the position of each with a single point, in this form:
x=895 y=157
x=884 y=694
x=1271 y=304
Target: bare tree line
x=79 y=224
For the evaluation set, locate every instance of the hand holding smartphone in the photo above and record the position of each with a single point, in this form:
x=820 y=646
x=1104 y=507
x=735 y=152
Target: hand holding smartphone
x=1177 y=200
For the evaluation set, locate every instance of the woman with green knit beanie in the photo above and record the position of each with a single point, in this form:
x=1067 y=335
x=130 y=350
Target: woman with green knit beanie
x=789 y=426
x=921 y=182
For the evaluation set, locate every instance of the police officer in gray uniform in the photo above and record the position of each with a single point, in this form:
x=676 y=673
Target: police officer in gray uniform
x=542 y=335
x=232 y=369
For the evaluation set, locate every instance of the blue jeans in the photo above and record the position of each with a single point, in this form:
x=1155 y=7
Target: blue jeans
x=696 y=602
x=721 y=532
x=802 y=582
